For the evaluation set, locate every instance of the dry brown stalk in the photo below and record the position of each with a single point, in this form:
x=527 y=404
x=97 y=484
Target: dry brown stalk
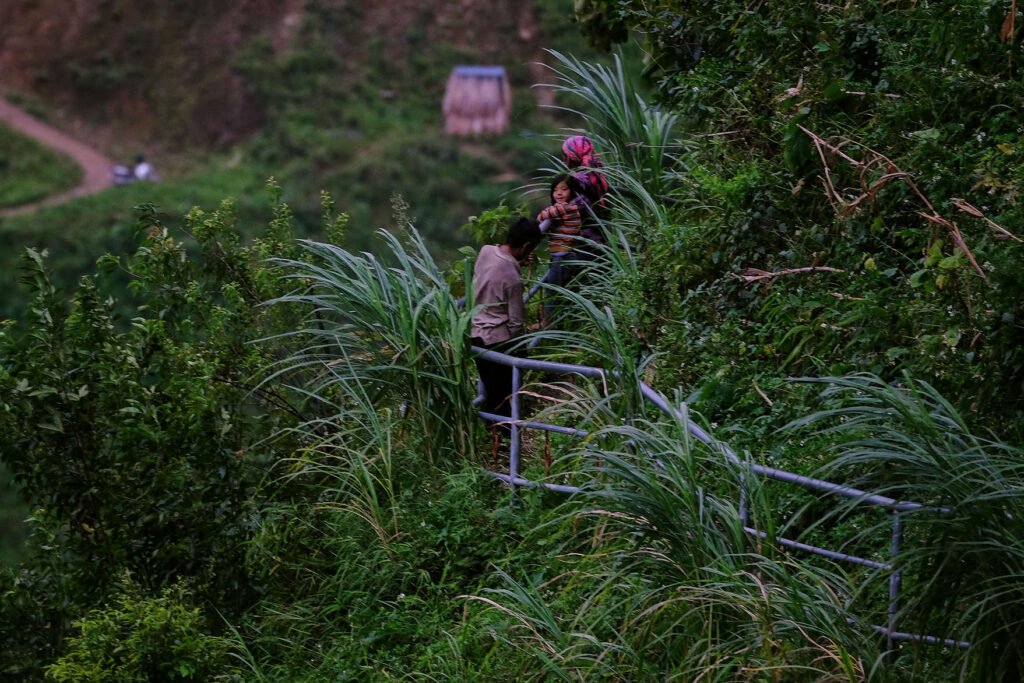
x=861 y=93
x=958 y=239
x=755 y=274
x=1007 y=31
x=846 y=297
x=869 y=188
x=763 y=395
x=1009 y=24
x=976 y=212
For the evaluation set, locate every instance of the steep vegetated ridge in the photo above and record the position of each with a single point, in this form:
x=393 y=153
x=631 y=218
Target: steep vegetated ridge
x=169 y=72
x=151 y=70
x=831 y=195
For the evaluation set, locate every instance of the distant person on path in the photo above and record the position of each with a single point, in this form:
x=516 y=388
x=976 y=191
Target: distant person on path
x=143 y=169
x=561 y=222
x=500 y=315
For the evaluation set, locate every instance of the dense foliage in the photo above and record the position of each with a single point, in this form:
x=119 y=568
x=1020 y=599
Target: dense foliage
x=146 y=638
x=138 y=445
x=878 y=140
x=270 y=470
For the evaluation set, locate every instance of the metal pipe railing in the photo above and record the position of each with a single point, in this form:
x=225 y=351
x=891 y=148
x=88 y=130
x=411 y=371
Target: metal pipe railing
x=824 y=552
x=895 y=583
x=773 y=473
x=896 y=507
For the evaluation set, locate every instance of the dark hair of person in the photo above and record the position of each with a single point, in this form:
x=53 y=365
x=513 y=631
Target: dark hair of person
x=571 y=182
x=523 y=231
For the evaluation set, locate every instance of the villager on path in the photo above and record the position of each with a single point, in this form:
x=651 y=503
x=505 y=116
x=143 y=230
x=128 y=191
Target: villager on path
x=500 y=315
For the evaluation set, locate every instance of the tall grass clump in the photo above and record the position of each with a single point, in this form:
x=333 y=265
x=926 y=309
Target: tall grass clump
x=395 y=327
x=636 y=141
x=379 y=518
x=626 y=130
x=662 y=583
x=963 y=558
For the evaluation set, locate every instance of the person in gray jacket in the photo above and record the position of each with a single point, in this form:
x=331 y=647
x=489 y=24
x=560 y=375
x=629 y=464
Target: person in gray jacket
x=500 y=314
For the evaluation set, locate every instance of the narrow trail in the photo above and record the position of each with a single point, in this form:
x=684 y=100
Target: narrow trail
x=95 y=166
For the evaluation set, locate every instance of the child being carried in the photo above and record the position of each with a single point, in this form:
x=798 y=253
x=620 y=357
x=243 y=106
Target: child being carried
x=564 y=216
x=562 y=223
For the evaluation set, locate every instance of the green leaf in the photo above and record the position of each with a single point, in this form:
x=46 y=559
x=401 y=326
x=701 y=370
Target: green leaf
x=928 y=134
x=895 y=352
x=835 y=90
x=951 y=262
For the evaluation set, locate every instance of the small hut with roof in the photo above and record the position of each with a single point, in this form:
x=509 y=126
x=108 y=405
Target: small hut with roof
x=477 y=101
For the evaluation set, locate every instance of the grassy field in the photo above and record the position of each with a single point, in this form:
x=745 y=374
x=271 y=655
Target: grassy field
x=77 y=233
x=29 y=171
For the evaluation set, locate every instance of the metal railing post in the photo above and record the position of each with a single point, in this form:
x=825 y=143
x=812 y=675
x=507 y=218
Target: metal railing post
x=513 y=451
x=895 y=580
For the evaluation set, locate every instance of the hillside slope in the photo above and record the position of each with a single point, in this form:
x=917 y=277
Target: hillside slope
x=170 y=72
x=95 y=168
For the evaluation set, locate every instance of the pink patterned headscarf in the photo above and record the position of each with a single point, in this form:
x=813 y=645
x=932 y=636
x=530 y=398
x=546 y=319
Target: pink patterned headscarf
x=579 y=151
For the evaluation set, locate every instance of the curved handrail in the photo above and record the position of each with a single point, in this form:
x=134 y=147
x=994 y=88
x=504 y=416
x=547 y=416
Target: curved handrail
x=896 y=507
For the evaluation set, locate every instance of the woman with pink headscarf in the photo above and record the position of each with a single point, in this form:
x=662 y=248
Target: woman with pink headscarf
x=581 y=158
x=586 y=193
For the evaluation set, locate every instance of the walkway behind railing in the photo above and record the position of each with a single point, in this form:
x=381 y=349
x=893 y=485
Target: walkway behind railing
x=517 y=423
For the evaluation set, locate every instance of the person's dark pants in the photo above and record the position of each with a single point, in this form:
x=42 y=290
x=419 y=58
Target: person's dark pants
x=560 y=274
x=497 y=381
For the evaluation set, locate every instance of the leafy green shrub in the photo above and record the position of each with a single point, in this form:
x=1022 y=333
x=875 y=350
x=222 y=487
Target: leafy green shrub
x=491 y=226
x=140 y=638
x=363 y=573
x=13 y=511
x=849 y=138
x=138 y=444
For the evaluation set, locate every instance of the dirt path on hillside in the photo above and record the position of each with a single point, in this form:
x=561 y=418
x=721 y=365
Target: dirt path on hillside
x=95 y=166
